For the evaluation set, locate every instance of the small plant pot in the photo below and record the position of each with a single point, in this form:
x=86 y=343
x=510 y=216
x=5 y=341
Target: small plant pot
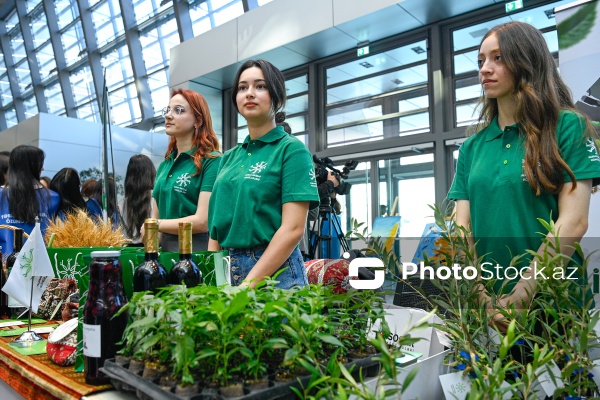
x=233 y=390
x=136 y=366
x=167 y=381
x=284 y=376
x=122 y=361
x=186 y=390
x=153 y=370
x=259 y=384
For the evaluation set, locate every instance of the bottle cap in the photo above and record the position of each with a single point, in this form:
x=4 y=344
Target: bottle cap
x=106 y=254
x=150 y=238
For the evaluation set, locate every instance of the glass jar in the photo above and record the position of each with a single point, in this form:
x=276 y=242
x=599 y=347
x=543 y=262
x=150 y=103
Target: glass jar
x=102 y=332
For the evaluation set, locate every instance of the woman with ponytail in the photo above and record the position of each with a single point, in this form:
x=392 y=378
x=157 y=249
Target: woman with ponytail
x=265 y=186
x=184 y=180
x=534 y=158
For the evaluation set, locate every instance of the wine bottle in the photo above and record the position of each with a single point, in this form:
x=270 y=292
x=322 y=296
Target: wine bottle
x=15 y=309
x=185 y=270
x=3 y=296
x=150 y=274
x=102 y=330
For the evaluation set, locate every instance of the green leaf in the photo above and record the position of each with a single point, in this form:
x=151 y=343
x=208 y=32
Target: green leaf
x=575 y=28
x=330 y=339
x=409 y=378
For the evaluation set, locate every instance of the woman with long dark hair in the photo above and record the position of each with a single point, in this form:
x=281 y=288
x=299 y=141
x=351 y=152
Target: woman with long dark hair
x=137 y=204
x=185 y=179
x=66 y=183
x=23 y=197
x=534 y=158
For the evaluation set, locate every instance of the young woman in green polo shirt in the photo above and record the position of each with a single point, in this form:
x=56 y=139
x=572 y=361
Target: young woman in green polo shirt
x=184 y=180
x=264 y=188
x=534 y=158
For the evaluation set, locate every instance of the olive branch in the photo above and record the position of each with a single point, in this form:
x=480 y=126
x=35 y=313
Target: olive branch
x=28 y=263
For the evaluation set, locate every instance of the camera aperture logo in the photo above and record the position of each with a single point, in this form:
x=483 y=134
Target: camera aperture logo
x=366 y=262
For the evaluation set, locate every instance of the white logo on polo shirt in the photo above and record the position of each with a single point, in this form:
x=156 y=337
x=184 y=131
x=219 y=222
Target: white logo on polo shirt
x=591 y=146
x=182 y=181
x=255 y=171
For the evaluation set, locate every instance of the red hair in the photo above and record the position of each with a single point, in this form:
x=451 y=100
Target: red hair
x=205 y=139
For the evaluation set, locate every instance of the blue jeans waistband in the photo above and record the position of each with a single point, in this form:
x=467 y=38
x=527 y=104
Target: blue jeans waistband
x=247 y=250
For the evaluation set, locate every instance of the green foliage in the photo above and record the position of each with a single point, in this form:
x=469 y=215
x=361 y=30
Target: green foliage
x=554 y=326
x=577 y=27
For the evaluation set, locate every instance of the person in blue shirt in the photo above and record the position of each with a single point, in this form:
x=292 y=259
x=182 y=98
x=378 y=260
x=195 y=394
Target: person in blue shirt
x=66 y=183
x=23 y=197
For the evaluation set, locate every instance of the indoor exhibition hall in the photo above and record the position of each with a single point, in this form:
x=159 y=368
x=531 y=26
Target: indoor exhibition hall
x=317 y=199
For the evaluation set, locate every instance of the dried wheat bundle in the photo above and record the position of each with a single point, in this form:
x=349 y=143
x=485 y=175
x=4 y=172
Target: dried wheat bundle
x=79 y=230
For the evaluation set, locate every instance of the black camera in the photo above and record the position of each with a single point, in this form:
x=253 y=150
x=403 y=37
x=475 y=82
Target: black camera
x=322 y=165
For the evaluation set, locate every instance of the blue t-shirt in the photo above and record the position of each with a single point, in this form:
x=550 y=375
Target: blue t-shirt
x=48 y=201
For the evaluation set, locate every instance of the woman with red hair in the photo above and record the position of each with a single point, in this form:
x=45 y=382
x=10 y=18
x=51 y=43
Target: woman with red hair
x=184 y=180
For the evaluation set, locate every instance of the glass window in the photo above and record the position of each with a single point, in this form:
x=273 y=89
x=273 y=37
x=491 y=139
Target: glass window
x=399 y=180
x=355 y=134
x=82 y=85
x=11 y=117
x=159 y=90
x=73 y=43
x=157 y=44
x=31 y=4
x=88 y=112
x=231 y=10
x=124 y=106
x=46 y=60
x=108 y=22
x=66 y=12
x=145 y=9
x=39 y=30
x=18 y=46
x=117 y=65
x=356 y=204
x=30 y=106
x=23 y=75
x=364 y=94
x=54 y=99
x=5 y=92
x=467 y=114
x=200 y=17
x=12 y=21
x=263 y=2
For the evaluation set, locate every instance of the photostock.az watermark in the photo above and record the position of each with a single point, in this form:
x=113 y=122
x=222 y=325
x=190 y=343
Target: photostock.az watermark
x=487 y=271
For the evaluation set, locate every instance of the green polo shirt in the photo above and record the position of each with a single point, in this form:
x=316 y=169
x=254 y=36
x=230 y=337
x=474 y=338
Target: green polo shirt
x=176 y=191
x=255 y=179
x=504 y=208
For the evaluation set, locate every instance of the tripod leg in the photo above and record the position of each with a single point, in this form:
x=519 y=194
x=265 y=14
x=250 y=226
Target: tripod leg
x=340 y=235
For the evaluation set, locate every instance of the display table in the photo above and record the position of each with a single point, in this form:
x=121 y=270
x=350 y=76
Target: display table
x=37 y=377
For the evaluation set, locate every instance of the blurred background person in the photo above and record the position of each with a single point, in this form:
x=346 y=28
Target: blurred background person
x=66 y=183
x=137 y=204
x=87 y=189
x=23 y=197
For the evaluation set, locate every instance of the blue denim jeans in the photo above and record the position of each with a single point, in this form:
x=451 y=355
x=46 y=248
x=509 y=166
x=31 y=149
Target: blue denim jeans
x=243 y=260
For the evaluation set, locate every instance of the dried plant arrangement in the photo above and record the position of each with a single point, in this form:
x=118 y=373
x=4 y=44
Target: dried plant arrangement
x=79 y=230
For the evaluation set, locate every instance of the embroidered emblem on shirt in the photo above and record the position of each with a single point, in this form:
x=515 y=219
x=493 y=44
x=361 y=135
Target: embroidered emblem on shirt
x=591 y=146
x=182 y=181
x=255 y=171
x=313 y=177
x=258 y=167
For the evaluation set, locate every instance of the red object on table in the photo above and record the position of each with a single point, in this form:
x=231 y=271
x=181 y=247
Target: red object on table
x=37 y=377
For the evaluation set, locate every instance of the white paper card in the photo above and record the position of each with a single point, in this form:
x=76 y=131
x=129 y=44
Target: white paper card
x=455 y=386
x=545 y=375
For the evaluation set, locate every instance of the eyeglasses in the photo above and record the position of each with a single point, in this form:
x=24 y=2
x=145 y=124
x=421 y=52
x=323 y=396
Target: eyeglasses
x=178 y=110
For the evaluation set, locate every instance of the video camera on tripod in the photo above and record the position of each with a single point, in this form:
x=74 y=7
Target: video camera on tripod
x=321 y=173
